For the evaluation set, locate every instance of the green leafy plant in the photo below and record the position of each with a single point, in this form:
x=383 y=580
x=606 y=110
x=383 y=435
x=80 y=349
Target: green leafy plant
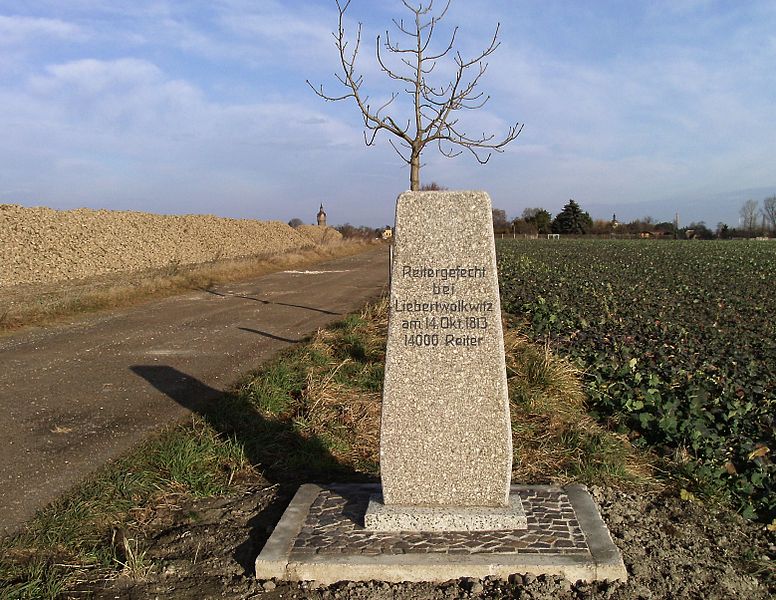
x=678 y=344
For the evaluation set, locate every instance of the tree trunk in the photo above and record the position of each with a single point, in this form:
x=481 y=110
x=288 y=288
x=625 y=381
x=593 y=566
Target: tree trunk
x=415 y=172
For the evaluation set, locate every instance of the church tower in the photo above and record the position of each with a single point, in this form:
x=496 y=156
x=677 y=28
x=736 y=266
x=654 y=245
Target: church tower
x=321 y=217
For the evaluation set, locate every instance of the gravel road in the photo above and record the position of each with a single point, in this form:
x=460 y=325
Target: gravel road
x=74 y=396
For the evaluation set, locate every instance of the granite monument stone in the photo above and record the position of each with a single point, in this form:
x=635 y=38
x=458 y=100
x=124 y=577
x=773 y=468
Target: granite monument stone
x=445 y=434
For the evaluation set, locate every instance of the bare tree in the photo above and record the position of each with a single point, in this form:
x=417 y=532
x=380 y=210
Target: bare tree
x=539 y=218
x=748 y=214
x=769 y=210
x=434 y=117
x=500 y=221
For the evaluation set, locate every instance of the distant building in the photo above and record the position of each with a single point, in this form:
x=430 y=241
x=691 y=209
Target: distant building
x=321 y=217
x=652 y=234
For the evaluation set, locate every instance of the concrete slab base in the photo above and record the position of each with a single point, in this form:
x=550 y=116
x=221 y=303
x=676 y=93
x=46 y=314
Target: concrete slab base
x=321 y=538
x=380 y=517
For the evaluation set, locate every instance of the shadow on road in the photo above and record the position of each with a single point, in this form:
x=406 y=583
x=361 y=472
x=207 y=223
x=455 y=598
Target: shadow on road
x=271 y=336
x=223 y=295
x=273 y=446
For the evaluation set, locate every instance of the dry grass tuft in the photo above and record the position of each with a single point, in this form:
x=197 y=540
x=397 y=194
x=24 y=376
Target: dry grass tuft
x=131 y=557
x=554 y=438
x=346 y=418
x=376 y=316
x=538 y=376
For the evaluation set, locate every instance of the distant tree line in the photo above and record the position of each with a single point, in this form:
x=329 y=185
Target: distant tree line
x=758 y=221
x=573 y=220
x=349 y=231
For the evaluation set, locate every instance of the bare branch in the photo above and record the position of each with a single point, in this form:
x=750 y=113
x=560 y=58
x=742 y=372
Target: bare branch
x=388 y=103
x=434 y=104
x=369 y=137
x=451 y=153
x=393 y=145
x=447 y=50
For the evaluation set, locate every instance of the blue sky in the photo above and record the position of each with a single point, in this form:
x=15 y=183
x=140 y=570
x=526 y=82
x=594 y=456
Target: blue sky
x=633 y=108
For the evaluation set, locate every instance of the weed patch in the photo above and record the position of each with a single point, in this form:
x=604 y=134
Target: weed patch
x=99 y=526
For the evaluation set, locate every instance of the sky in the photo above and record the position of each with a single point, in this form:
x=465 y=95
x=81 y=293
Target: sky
x=630 y=108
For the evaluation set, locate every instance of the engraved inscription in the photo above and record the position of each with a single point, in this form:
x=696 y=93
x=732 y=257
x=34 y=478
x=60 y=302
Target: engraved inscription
x=433 y=321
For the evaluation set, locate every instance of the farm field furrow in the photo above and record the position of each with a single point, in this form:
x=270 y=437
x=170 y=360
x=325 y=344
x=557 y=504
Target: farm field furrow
x=678 y=343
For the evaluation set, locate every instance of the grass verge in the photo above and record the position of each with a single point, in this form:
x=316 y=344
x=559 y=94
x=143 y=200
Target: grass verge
x=40 y=304
x=312 y=414
x=97 y=526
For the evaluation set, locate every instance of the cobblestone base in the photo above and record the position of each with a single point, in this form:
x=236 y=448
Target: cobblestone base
x=322 y=537
x=335 y=525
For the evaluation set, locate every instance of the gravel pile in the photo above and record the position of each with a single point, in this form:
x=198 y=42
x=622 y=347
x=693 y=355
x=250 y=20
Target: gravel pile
x=44 y=245
x=320 y=235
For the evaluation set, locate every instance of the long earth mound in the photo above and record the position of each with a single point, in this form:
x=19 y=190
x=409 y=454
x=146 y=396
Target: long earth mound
x=42 y=245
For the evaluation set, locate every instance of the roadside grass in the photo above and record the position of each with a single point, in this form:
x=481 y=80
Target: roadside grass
x=312 y=414
x=40 y=304
x=99 y=525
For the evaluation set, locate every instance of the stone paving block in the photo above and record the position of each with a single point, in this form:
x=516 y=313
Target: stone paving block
x=575 y=544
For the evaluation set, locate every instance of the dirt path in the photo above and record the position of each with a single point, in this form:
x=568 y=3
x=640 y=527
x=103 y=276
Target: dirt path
x=73 y=396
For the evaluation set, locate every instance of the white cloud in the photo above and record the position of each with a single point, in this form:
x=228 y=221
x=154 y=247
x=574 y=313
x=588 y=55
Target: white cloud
x=207 y=99
x=21 y=29
x=135 y=96
x=279 y=26
x=677 y=116
x=92 y=76
x=125 y=131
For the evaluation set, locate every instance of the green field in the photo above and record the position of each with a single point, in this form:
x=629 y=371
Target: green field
x=678 y=343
